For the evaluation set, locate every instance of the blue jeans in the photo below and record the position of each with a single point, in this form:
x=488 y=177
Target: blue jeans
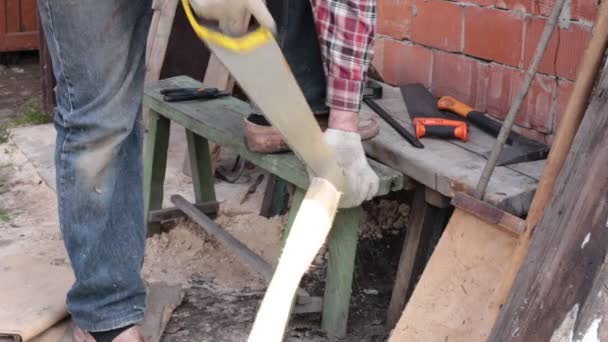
x=98 y=51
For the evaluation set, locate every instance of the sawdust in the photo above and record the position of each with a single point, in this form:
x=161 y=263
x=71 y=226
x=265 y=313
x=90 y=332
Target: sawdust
x=186 y=251
x=29 y=224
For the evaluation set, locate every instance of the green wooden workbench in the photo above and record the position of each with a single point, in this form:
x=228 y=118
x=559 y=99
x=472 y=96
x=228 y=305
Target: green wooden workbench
x=221 y=121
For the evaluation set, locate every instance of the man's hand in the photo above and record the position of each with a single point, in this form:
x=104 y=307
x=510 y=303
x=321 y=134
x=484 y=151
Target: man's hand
x=361 y=180
x=231 y=14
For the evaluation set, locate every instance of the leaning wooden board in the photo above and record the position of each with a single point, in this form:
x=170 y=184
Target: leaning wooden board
x=450 y=166
x=456 y=297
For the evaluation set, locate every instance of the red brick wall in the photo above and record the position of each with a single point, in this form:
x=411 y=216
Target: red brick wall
x=478 y=51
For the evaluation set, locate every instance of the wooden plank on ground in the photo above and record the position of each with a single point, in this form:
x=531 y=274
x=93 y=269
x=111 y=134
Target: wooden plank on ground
x=570 y=243
x=220 y=121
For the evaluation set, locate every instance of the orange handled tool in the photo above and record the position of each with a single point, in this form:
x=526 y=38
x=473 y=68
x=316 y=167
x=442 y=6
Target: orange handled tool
x=476 y=118
x=441 y=128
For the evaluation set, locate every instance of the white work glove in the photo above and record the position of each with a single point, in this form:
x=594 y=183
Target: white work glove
x=231 y=14
x=361 y=181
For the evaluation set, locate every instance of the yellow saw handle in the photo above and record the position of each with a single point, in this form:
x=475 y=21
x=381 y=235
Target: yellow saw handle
x=249 y=41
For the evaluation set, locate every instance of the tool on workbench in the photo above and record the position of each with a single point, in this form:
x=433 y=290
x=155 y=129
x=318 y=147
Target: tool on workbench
x=421 y=103
x=258 y=65
x=519 y=148
x=187 y=94
x=478 y=119
x=441 y=128
x=392 y=122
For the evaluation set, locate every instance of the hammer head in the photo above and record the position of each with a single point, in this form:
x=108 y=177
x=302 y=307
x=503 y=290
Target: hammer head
x=522 y=149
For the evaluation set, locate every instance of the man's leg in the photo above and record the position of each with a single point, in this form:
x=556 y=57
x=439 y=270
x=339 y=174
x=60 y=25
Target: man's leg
x=98 y=51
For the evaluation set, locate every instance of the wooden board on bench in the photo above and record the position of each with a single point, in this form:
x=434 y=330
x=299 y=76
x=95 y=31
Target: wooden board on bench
x=221 y=121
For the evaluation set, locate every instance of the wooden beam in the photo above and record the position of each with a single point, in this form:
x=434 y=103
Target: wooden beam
x=411 y=254
x=489 y=213
x=571 y=240
x=423 y=232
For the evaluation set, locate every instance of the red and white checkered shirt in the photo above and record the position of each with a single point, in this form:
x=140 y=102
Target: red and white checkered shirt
x=346 y=31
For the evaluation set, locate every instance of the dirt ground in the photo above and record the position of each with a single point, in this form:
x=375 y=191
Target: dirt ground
x=222 y=293
x=19 y=85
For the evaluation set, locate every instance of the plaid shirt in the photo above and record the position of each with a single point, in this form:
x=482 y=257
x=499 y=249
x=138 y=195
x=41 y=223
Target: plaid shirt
x=346 y=31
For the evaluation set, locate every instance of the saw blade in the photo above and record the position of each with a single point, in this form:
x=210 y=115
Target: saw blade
x=265 y=76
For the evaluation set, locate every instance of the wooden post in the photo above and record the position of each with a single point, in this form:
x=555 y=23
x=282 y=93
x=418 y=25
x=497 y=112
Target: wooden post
x=571 y=240
x=47 y=80
x=425 y=221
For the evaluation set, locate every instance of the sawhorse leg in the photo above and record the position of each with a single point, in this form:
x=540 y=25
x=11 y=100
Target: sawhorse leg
x=155 y=165
x=200 y=163
x=340 y=267
x=338 y=281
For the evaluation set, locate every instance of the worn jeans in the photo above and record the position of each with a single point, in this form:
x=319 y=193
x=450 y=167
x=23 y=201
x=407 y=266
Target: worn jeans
x=97 y=49
x=98 y=52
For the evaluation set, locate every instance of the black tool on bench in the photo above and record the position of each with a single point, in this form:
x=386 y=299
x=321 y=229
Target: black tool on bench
x=187 y=94
x=392 y=122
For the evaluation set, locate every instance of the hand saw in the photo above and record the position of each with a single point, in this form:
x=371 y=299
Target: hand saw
x=257 y=63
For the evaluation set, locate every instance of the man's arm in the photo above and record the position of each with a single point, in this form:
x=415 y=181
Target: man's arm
x=346 y=31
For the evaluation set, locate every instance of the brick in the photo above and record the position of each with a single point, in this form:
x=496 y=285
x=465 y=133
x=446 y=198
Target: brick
x=579 y=9
x=438 y=24
x=564 y=88
x=537 y=110
x=526 y=6
x=565 y=49
x=493 y=34
x=401 y=63
x=584 y=9
x=462 y=77
x=484 y=3
x=395 y=18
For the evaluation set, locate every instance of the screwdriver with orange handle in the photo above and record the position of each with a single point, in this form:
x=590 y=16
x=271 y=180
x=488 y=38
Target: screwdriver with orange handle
x=441 y=128
x=476 y=118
